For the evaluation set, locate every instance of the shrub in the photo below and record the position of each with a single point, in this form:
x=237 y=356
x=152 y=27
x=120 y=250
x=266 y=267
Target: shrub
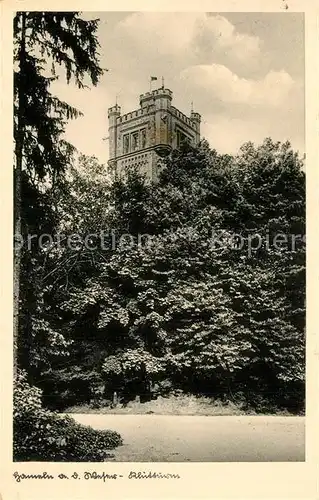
x=66 y=387
x=41 y=435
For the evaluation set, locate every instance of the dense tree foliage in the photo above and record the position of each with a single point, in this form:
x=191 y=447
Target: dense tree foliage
x=197 y=283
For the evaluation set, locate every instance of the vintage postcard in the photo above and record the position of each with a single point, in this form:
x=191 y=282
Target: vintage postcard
x=159 y=295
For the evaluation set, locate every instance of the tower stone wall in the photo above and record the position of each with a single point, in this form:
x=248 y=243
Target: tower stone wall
x=143 y=137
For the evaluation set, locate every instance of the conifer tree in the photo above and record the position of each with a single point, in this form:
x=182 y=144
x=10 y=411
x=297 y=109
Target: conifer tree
x=44 y=42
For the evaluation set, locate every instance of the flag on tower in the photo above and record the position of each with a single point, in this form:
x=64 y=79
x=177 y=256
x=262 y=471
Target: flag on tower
x=152 y=79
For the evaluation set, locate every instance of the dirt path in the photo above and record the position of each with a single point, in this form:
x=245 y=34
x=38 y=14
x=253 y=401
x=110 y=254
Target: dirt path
x=166 y=438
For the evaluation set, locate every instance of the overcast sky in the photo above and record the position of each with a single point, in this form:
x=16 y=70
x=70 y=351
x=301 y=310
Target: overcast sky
x=244 y=73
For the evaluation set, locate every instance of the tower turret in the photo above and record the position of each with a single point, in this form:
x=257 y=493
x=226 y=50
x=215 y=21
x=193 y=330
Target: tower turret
x=113 y=114
x=163 y=98
x=163 y=123
x=146 y=99
x=196 y=119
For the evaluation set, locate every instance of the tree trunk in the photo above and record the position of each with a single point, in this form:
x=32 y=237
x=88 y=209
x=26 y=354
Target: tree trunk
x=19 y=142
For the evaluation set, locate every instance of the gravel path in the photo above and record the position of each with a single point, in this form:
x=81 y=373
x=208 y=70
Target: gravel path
x=166 y=438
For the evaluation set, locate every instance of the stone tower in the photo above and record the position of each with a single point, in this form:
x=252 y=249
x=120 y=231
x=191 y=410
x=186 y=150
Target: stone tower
x=143 y=137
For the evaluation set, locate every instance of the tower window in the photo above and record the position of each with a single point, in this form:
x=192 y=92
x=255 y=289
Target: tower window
x=126 y=143
x=143 y=138
x=134 y=138
x=182 y=138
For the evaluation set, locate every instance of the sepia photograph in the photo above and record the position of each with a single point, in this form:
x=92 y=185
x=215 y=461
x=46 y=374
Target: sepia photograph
x=159 y=237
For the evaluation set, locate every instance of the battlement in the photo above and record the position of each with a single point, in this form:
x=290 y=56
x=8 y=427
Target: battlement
x=195 y=116
x=162 y=92
x=147 y=95
x=133 y=114
x=114 y=110
x=182 y=117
